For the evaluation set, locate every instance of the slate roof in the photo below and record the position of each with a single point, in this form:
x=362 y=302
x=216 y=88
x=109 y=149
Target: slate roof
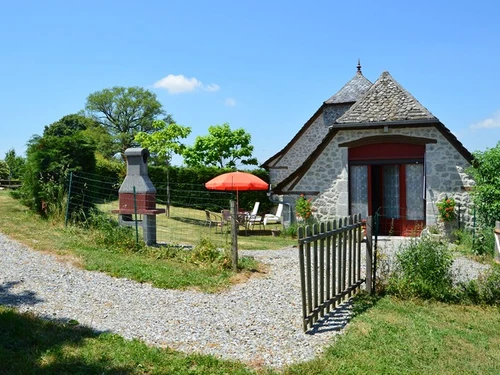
x=352 y=90
x=386 y=101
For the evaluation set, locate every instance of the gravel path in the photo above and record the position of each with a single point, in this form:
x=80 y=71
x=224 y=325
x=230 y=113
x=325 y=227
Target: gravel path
x=257 y=322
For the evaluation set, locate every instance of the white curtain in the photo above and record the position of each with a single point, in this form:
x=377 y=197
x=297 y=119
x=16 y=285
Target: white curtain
x=359 y=190
x=414 y=192
x=391 y=191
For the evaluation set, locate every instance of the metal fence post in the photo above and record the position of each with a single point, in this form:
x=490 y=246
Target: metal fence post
x=66 y=217
x=135 y=218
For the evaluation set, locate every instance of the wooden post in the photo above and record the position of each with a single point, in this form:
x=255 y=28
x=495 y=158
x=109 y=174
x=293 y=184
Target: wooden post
x=234 y=234
x=369 y=254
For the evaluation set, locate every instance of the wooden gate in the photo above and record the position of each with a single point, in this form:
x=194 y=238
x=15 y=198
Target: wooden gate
x=330 y=265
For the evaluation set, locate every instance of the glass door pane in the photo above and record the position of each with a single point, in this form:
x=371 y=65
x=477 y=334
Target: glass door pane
x=359 y=190
x=414 y=191
x=391 y=191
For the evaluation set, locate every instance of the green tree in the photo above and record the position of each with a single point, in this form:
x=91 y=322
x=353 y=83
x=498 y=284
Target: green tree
x=165 y=140
x=15 y=163
x=486 y=192
x=4 y=170
x=63 y=148
x=222 y=148
x=124 y=111
x=89 y=128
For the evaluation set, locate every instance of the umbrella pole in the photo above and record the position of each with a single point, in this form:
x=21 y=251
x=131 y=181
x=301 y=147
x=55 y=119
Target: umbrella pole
x=234 y=234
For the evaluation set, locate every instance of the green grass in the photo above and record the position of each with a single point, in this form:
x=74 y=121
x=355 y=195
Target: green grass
x=414 y=337
x=188 y=226
x=32 y=346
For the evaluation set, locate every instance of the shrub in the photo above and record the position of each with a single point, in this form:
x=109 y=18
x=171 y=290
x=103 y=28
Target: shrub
x=484 y=242
x=486 y=191
x=206 y=253
x=446 y=209
x=108 y=233
x=484 y=290
x=303 y=207
x=422 y=269
x=290 y=231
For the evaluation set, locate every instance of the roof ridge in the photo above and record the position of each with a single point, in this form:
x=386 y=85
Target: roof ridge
x=385 y=101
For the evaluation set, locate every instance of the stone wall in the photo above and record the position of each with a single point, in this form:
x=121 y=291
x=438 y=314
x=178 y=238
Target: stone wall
x=311 y=138
x=444 y=167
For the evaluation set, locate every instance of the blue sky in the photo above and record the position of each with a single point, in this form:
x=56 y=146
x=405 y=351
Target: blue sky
x=265 y=66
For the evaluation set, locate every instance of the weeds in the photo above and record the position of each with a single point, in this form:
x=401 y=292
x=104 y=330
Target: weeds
x=423 y=269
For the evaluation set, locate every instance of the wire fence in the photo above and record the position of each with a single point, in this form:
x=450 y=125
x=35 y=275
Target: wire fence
x=194 y=213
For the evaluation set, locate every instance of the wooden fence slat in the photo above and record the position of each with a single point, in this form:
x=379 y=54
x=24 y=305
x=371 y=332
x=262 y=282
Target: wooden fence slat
x=328 y=262
x=344 y=255
x=350 y=259
x=315 y=267
x=308 y=273
x=334 y=261
x=302 y=279
x=322 y=267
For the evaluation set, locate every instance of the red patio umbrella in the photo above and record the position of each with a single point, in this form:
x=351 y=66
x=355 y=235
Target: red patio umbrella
x=236 y=181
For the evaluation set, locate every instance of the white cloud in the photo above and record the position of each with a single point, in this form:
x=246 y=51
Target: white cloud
x=211 y=87
x=230 y=102
x=489 y=123
x=176 y=84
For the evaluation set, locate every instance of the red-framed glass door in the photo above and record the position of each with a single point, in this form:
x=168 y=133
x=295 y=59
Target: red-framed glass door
x=394 y=191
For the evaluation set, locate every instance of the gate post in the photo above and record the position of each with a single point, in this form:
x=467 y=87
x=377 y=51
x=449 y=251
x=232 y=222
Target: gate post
x=369 y=254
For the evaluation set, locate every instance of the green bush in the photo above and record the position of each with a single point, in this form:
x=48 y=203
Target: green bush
x=486 y=191
x=206 y=253
x=423 y=269
x=484 y=242
x=109 y=234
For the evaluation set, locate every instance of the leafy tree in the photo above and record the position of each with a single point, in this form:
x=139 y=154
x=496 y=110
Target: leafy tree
x=4 y=170
x=15 y=163
x=124 y=111
x=486 y=192
x=94 y=132
x=62 y=148
x=222 y=148
x=165 y=140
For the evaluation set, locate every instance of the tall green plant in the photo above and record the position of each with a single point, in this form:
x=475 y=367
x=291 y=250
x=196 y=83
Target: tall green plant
x=486 y=192
x=423 y=269
x=50 y=159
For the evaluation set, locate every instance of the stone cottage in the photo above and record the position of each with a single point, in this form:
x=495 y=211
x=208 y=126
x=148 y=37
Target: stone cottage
x=372 y=147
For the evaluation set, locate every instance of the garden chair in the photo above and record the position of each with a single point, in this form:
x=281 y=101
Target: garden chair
x=253 y=218
x=213 y=219
x=274 y=218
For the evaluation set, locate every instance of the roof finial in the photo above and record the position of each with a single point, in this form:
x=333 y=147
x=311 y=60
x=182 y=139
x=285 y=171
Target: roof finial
x=359 y=68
